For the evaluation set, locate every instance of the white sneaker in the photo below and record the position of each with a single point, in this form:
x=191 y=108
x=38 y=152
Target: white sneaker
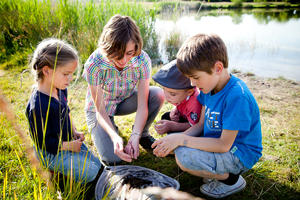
x=217 y=189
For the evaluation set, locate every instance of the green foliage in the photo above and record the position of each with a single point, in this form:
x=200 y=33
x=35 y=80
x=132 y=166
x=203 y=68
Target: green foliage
x=237 y=3
x=18 y=60
x=173 y=43
x=18 y=180
x=24 y=23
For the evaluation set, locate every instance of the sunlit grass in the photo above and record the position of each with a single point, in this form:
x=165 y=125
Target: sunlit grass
x=24 y=23
x=276 y=175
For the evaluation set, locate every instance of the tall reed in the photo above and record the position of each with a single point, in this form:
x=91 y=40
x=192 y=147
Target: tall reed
x=26 y=22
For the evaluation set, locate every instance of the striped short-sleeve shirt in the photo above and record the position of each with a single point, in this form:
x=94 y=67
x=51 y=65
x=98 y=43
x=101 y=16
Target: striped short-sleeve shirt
x=116 y=85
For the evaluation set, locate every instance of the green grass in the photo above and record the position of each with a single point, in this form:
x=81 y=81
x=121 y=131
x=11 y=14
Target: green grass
x=275 y=176
x=24 y=23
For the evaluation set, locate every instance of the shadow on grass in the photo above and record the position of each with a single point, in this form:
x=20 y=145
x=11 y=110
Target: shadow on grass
x=259 y=185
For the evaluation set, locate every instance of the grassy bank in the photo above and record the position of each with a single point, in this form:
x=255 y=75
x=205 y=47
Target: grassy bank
x=24 y=23
x=275 y=176
x=235 y=4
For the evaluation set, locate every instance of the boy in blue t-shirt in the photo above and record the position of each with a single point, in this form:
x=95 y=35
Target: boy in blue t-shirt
x=232 y=139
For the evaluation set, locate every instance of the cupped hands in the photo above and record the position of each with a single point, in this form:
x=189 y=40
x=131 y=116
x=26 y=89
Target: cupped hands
x=119 y=151
x=166 y=145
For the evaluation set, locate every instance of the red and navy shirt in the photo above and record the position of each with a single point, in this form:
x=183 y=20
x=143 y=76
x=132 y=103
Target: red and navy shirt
x=190 y=108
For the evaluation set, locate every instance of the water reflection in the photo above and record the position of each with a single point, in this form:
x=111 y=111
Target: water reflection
x=265 y=43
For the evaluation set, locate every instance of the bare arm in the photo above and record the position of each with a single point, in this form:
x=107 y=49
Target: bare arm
x=170 y=142
x=142 y=109
x=219 y=145
x=165 y=126
x=132 y=147
x=197 y=128
x=104 y=121
x=179 y=127
x=102 y=116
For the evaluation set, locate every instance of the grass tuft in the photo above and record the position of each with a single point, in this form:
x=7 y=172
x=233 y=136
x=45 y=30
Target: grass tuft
x=25 y=23
x=275 y=176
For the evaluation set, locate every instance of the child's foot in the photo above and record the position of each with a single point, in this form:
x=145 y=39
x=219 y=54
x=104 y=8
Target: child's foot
x=217 y=189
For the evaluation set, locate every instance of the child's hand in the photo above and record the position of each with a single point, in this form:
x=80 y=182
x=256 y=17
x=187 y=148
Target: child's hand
x=74 y=145
x=79 y=135
x=163 y=126
x=174 y=115
x=166 y=145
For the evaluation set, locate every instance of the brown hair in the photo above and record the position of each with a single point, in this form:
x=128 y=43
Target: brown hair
x=118 y=31
x=53 y=53
x=200 y=53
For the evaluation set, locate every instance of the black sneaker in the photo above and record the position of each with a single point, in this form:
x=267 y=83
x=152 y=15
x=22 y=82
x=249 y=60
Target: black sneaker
x=146 y=142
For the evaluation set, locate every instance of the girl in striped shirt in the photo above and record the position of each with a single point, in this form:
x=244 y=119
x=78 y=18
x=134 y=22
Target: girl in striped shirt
x=118 y=74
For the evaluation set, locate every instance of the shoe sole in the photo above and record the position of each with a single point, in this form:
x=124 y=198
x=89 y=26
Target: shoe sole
x=224 y=194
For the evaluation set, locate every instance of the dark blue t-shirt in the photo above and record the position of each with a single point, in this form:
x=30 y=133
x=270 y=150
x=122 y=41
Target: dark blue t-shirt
x=234 y=108
x=49 y=125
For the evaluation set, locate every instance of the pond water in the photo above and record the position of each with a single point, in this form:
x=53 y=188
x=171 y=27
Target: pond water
x=266 y=43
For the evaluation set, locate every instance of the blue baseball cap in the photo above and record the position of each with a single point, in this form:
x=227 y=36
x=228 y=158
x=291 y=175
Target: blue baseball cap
x=169 y=76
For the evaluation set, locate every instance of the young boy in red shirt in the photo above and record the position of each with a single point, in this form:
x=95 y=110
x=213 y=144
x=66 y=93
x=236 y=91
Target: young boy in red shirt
x=179 y=92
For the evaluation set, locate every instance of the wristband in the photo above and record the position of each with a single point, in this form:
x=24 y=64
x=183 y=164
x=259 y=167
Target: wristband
x=135 y=134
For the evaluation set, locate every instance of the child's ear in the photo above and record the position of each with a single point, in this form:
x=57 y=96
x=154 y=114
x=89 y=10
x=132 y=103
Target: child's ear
x=46 y=70
x=218 y=67
x=191 y=91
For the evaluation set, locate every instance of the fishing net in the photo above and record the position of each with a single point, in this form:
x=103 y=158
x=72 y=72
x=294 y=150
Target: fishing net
x=128 y=181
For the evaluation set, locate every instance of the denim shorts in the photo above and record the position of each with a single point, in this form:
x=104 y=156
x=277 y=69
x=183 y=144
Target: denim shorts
x=216 y=163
